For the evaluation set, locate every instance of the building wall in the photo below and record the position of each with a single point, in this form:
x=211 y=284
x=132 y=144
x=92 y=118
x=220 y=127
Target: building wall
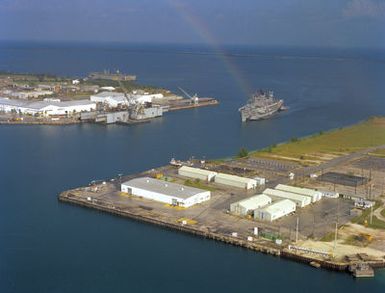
x=315 y=195
x=235 y=183
x=266 y=215
x=197 y=198
x=241 y=208
x=196 y=174
x=300 y=200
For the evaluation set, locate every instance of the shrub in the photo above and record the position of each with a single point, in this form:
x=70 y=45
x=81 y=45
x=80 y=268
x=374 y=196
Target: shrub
x=243 y=153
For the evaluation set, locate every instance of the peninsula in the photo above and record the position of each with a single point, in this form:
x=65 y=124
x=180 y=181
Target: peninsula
x=317 y=200
x=101 y=97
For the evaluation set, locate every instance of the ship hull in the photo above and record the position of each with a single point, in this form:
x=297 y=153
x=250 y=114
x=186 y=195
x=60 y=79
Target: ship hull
x=253 y=114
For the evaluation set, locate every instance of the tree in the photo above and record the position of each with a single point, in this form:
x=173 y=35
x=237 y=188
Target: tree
x=243 y=152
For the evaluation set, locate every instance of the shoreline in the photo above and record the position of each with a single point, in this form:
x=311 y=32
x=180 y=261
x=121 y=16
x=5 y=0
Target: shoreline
x=270 y=249
x=172 y=108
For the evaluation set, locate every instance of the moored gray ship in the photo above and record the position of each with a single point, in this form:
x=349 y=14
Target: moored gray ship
x=261 y=105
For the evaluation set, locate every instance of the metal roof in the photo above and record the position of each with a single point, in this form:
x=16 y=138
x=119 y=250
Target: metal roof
x=278 y=206
x=163 y=187
x=197 y=170
x=39 y=105
x=299 y=190
x=255 y=201
x=108 y=94
x=285 y=194
x=234 y=178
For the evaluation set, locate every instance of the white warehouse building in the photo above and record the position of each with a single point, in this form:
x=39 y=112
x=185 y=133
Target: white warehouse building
x=197 y=173
x=166 y=192
x=300 y=200
x=276 y=210
x=314 y=194
x=111 y=99
x=235 y=181
x=247 y=206
x=46 y=108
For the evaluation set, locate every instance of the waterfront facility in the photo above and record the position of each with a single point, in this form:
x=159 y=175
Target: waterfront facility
x=197 y=173
x=300 y=200
x=314 y=194
x=46 y=108
x=276 y=210
x=112 y=99
x=167 y=192
x=247 y=206
x=235 y=181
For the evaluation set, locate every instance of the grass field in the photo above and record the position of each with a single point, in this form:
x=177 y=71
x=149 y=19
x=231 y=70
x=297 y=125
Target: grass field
x=364 y=219
x=324 y=146
x=198 y=184
x=379 y=153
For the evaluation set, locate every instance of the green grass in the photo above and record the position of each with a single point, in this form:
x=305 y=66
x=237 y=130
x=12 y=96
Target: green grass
x=379 y=153
x=377 y=224
x=365 y=216
x=383 y=212
x=328 y=237
x=363 y=135
x=198 y=184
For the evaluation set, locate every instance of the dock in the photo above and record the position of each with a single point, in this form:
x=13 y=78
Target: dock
x=210 y=220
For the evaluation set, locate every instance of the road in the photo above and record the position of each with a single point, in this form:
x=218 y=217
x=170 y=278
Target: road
x=306 y=171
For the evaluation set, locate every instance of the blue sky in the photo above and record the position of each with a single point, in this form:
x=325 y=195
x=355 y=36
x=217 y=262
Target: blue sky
x=334 y=23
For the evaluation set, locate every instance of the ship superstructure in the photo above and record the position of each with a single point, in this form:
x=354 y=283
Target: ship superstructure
x=261 y=105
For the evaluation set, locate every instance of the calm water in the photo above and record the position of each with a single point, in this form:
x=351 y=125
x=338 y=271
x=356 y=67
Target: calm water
x=46 y=246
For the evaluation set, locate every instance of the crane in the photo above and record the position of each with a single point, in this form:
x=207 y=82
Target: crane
x=136 y=107
x=194 y=99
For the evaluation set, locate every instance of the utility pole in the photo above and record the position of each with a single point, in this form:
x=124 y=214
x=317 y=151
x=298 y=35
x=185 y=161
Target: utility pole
x=335 y=239
x=371 y=215
x=296 y=231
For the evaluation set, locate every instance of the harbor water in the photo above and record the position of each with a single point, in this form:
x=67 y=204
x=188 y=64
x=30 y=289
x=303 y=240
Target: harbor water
x=47 y=246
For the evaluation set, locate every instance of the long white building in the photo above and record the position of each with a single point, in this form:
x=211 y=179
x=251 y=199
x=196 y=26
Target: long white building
x=276 y=210
x=46 y=108
x=166 y=192
x=197 y=173
x=300 y=200
x=112 y=99
x=248 y=205
x=235 y=181
x=314 y=194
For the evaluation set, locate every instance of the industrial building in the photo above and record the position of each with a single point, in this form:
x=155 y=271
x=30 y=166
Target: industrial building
x=247 y=206
x=300 y=200
x=197 y=173
x=45 y=108
x=276 y=210
x=235 y=181
x=166 y=192
x=111 y=99
x=314 y=194
x=31 y=94
x=114 y=99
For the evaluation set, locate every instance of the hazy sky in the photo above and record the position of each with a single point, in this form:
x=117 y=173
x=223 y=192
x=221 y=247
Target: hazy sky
x=348 y=23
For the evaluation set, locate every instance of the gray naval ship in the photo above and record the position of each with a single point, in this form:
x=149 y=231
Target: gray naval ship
x=261 y=105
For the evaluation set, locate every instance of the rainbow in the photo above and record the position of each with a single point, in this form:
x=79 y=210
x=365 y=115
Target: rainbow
x=199 y=27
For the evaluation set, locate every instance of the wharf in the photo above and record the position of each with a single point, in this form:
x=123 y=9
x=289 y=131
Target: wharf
x=182 y=105
x=208 y=220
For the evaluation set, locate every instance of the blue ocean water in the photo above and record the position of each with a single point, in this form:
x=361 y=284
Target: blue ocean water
x=47 y=246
